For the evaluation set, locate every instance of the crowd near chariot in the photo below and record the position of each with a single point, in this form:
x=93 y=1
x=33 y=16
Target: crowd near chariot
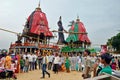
x=33 y=50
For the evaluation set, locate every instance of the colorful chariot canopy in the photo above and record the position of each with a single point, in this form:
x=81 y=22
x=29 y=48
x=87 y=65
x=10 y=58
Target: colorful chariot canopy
x=37 y=23
x=78 y=27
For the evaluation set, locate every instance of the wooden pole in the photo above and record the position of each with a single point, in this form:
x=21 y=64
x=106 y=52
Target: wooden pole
x=9 y=31
x=70 y=32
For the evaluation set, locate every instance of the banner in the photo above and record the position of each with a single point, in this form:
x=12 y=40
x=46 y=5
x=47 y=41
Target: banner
x=103 y=49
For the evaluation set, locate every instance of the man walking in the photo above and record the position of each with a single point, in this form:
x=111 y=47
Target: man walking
x=44 y=66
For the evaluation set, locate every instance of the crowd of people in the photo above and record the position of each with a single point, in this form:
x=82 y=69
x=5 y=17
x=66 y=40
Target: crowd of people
x=67 y=62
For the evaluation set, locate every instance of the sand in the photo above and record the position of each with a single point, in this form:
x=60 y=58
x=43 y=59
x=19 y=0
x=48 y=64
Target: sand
x=36 y=74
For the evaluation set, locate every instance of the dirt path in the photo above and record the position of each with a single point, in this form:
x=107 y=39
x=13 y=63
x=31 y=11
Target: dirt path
x=35 y=75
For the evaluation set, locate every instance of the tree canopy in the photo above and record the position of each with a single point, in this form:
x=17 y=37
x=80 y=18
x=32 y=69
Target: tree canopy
x=114 y=42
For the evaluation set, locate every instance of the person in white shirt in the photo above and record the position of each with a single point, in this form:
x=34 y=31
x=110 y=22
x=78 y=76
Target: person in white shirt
x=25 y=55
x=62 y=59
x=50 y=61
x=44 y=66
x=34 y=63
x=79 y=61
x=73 y=62
x=88 y=65
x=30 y=58
x=56 y=63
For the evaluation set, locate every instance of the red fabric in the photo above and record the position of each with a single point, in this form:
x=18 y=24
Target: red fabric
x=72 y=28
x=39 y=24
x=81 y=27
x=82 y=37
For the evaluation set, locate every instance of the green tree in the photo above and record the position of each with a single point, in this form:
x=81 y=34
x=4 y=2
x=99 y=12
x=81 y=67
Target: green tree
x=114 y=42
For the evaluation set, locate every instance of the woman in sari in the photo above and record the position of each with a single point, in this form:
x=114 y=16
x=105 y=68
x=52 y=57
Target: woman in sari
x=67 y=64
x=17 y=61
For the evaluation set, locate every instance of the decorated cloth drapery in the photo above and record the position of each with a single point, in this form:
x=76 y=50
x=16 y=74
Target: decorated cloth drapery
x=37 y=23
x=78 y=34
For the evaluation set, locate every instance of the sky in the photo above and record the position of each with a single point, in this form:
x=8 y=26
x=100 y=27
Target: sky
x=100 y=17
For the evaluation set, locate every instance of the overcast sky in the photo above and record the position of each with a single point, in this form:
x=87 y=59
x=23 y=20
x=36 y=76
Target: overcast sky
x=100 y=17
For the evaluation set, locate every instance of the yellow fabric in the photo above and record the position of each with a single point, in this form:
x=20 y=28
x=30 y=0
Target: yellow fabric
x=8 y=62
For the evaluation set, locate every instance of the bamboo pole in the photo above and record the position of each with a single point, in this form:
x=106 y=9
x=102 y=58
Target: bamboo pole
x=9 y=31
x=21 y=35
x=41 y=39
x=70 y=32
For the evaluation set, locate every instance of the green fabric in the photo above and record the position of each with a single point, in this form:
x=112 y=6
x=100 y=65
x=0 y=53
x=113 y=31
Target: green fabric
x=22 y=62
x=106 y=69
x=72 y=36
x=92 y=50
x=65 y=49
x=67 y=63
x=76 y=30
x=68 y=49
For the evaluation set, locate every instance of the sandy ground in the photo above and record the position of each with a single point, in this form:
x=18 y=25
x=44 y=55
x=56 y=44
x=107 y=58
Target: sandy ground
x=36 y=74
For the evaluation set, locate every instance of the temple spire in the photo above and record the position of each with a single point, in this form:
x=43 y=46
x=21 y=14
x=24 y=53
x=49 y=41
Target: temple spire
x=78 y=19
x=38 y=8
x=39 y=4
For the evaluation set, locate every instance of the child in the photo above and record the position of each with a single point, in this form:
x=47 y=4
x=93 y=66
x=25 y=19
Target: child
x=13 y=68
x=21 y=64
x=63 y=67
x=26 y=65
